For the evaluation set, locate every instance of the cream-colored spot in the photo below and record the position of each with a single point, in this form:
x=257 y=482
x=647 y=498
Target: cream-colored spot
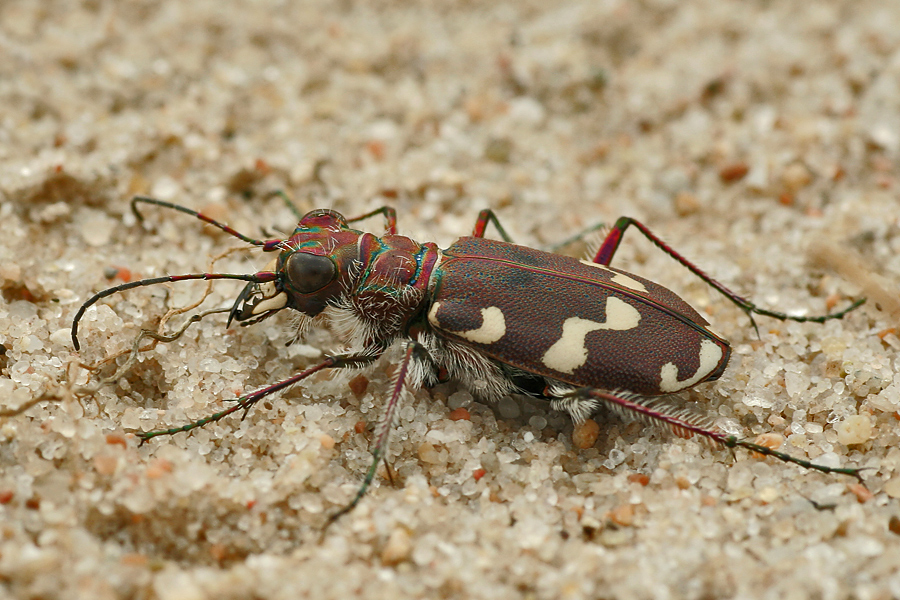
x=626 y=281
x=432 y=314
x=710 y=355
x=274 y=303
x=618 y=278
x=569 y=352
x=493 y=327
x=621 y=316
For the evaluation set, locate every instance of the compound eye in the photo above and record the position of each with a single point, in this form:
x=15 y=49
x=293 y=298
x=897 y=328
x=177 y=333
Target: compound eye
x=308 y=273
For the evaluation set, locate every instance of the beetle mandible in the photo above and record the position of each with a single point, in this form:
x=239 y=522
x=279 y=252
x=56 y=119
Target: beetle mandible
x=497 y=317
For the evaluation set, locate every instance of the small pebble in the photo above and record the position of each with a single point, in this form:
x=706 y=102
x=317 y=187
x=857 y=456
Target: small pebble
x=615 y=537
x=538 y=422
x=855 y=429
x=62 y=336
x=894 y=525
x=458 y=399
x=428 y=454
x=733 y=172
x=460 y=414
x=585 y=434
x=10 y=271
x=498 y=150
x=397 y=549
x=772 y=441
x=97 y=228
x=768 y=494
x=508 y=408
x=639 y=478
x=358 y=385
x=219 y=552
x=115 y=439
x=686 y=204
x=861 y=492
x=158 y=468
x=105 y=464
x=622 y=515
x=134 y=559
x=892 y=487
x=796 y=177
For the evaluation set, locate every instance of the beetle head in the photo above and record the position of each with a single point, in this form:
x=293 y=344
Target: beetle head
x=312 y=270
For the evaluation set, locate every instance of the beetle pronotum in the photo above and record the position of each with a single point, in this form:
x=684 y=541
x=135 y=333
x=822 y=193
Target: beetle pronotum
x=497 y=317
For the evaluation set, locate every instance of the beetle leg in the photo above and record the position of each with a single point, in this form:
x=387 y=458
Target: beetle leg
x=582 y=235
x=605 y=255
x=488 y=216
x=485 y=217
x=578 y=407
x=414 y=351
x=287 y=202
x=390 y=218
x=680 y=420
x=245 y=403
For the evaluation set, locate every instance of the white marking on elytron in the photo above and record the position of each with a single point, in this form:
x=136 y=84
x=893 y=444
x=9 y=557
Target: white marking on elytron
x=274 y=303
x=710 y=355
x=493 y=327
x=432 y=314
x=620 y=278
x=569 y=353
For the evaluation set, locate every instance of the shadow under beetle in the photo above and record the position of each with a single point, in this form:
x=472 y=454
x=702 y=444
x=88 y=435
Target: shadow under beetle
x=497 y=317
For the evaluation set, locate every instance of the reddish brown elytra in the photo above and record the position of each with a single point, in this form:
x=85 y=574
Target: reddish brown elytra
x=496 y=317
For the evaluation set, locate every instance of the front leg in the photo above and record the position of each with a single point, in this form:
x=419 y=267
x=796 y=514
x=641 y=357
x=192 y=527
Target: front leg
x=390 y=218
x=414 y=352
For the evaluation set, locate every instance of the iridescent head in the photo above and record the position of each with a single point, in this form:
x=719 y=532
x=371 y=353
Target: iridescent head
x=312 y=270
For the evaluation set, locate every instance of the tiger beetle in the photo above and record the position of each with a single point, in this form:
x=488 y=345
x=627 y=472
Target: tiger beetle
x=496 y=317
